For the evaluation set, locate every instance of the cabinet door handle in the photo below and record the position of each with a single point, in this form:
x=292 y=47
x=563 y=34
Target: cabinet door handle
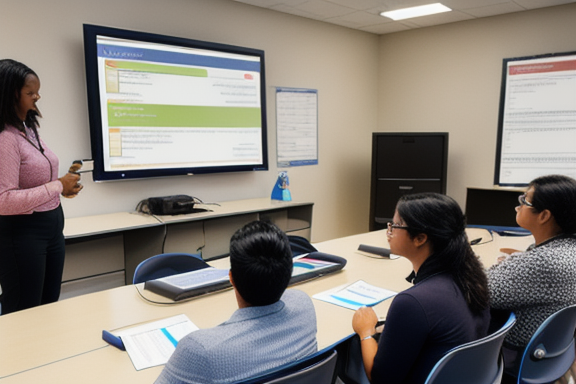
x=406 y=187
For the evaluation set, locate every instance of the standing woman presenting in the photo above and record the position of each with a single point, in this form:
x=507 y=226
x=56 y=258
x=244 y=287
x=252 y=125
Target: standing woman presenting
x=31 y=217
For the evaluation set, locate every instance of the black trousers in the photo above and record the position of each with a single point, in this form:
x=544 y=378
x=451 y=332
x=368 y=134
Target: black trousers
x=31 y=259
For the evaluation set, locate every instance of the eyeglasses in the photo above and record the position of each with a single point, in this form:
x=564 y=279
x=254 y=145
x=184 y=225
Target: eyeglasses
x=522 y=200
x=392 y=226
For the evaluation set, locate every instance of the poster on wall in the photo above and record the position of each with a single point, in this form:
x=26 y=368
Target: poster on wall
x=537 y=122
x=296 y=126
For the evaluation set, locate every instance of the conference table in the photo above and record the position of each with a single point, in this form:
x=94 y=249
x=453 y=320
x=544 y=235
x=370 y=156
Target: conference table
x=62 y=342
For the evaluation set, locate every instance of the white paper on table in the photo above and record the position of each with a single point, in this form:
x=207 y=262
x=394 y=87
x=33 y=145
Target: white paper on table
x=152 y=344
x=356 y=295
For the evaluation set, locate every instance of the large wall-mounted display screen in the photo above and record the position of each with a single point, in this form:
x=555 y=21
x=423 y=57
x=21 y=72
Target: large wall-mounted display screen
x=166 y=106
x=537 y=122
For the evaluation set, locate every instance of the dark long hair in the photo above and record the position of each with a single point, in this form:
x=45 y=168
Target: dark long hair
x=12 y=79
x=556 y=193
x=442 y=220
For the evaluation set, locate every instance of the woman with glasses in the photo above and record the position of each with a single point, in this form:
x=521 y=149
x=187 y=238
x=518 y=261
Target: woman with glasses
x=446 y=307
x=541 y=280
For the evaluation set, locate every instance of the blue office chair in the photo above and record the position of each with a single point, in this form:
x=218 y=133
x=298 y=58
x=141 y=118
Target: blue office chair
x=318 y=368
x=321 y=372
x=478 y=362
x=167 y=264
x=550 y=352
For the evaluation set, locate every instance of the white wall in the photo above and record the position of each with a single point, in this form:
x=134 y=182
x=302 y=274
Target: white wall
x=342 y=64
x=447 y=78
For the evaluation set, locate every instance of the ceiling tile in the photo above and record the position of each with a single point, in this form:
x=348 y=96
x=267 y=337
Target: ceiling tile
x=409 y=23
x=440 y=18
x=358 y=19
x=293 y=3
x=294 y=11
x=493 y=10
x=261 y=3
x=364 y=14
x=460 y=5
x=532 y=4
x=324 y=9
x=360 y=5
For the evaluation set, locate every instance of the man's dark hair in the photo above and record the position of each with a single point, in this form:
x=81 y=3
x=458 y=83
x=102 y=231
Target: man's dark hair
x=260 y=262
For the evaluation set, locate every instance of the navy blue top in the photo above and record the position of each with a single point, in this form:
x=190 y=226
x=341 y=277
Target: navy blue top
x=423 y=323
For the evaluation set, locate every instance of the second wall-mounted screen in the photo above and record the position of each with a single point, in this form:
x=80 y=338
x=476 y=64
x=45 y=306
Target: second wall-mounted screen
x=537 y=122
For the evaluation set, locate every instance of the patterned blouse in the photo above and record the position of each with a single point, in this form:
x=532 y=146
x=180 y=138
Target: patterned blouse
x=534 y=284
x=28 y=177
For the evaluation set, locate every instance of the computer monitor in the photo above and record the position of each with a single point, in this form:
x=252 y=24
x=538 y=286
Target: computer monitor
x=493 y=209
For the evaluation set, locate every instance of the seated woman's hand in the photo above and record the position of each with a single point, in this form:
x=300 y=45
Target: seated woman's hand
x=364 y=322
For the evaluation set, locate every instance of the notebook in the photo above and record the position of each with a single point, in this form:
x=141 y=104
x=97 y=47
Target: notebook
x=206 y=280
x=315 y=264
x=190 y=284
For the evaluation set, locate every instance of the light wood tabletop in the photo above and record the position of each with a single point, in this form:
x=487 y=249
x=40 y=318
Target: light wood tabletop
x=62 y=342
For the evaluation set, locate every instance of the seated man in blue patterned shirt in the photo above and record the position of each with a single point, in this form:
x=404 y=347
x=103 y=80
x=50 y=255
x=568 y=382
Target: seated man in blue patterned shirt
x=273 y=326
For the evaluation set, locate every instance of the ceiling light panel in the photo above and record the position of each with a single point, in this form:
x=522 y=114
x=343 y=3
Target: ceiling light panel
x=423 y=10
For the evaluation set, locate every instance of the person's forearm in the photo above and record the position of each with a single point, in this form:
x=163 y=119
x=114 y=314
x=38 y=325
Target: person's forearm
x=369 y=347
x=24 y=201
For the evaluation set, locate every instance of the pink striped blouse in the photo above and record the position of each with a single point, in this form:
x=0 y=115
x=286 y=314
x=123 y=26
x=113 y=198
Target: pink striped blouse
x=28 y=178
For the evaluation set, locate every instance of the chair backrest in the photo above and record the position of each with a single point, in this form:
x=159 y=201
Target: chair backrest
x=167 y=264
x=479 y=361
x=320 y=372
x=318 y=368
x=550 y=352
x=300 y=245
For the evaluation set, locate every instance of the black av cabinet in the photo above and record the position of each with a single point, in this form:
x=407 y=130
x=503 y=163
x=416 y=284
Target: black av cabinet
x=405 y=163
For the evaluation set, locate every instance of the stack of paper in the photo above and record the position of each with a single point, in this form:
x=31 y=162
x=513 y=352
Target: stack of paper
x=153 y=343
x=356 y=295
